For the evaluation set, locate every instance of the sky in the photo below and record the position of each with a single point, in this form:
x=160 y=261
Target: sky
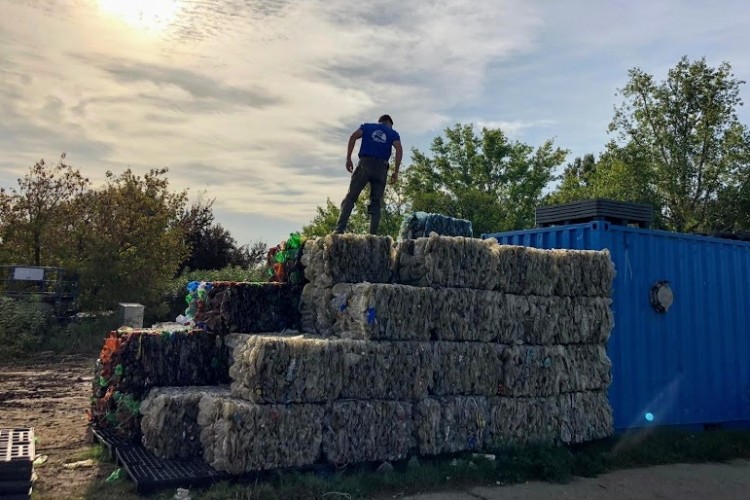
x=251 y=102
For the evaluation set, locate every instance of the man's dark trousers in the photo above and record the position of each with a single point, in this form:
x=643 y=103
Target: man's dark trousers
x=370 y=170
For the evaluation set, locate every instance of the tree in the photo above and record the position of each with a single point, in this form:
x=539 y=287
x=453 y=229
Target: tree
x=211 y=245
x=492 y=181
x=137 y=242
x=36 y=219
x=686 y=130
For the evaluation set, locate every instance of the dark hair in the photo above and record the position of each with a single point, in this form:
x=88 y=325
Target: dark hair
x=385 y=118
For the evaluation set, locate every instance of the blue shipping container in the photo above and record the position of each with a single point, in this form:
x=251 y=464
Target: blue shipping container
x=690 y=365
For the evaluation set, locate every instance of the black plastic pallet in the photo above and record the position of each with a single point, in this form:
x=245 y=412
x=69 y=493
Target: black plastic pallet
x=17 y=452
x=150 y=473
x=14 y=488
x=616 y=212
x=17 y=496
x=111 y=441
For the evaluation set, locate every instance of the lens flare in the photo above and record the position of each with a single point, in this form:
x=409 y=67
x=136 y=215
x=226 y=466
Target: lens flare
x=145 y=15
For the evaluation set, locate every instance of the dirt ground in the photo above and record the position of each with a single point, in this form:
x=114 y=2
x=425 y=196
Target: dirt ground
x=52 y=393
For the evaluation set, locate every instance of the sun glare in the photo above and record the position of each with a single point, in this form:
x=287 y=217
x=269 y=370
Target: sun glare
x=146 y=15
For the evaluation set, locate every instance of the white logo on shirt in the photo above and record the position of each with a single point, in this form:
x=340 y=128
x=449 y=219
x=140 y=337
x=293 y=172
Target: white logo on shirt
x=379 y=136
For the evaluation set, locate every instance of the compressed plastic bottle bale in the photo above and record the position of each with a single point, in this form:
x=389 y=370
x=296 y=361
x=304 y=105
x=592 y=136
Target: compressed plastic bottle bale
x=552 y=320
x=169 y=425
x=312 y=259
x=315 y=310
x=525 y=271
x=287 y=370
x=532 y=370
x=444 y=261
x=381 y=311
x=587 y=368
x=239 y=436
x=387 y=370
x=462 y=314
x=348 y=258
x=451 y=424
x=467 y=368
x=252 y=307
x=585 y=416
x=584 y=273
x=366 y=431
x=589 y=320
x=133 y=361
x=519 y=421
x=529 y=319
x=550 y=370
x=151 y=358
x=233 y=342
x=421 y=224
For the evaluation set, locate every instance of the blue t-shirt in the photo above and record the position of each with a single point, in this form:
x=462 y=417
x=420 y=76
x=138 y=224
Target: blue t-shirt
x=377 y=140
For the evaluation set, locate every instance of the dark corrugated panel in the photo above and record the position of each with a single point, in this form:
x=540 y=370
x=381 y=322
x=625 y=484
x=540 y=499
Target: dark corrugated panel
x=692 y=364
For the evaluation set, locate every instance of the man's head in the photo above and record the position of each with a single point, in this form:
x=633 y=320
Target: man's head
x=386 y=120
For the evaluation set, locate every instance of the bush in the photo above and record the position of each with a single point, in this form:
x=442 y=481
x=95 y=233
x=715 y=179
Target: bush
x=24 y=324
x=83 y=335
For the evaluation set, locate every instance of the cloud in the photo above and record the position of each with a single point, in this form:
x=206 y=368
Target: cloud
x=513 y=128
x=254 y=100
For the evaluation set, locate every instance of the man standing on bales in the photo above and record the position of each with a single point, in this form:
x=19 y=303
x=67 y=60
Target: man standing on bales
x=374 y=153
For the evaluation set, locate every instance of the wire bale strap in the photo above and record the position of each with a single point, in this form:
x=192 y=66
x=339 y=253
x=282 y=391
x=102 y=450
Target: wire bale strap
x=169 y=423
x=367 y=431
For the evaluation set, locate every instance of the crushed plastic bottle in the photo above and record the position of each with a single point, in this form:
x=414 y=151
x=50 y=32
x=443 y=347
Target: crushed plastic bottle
x=182 y=494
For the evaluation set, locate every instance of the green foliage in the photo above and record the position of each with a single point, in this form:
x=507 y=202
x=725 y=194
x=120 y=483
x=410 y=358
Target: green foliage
x=24 y=324
x=492 y=181
x=686 y=130
x=137 y=242
x=488 y=179
x=82 y=335
x=211 y=245
x=35 y=219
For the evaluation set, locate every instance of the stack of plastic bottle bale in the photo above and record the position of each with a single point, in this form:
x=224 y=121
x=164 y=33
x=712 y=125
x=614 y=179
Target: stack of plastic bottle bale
x=430 y=346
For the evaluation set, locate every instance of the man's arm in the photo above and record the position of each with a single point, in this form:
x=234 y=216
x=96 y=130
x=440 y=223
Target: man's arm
x=399 y=155
x=350 y=148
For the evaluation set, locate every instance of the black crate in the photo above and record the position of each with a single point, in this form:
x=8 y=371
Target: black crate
x=17 y=453
x=615 y=212
x=150 y=473
x=17 y=496
x=110 y=440
x=14 y=488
